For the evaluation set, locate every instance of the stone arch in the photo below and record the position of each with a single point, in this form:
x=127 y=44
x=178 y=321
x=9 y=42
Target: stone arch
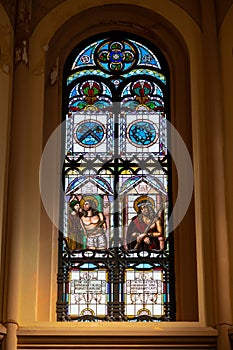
x=53 y=50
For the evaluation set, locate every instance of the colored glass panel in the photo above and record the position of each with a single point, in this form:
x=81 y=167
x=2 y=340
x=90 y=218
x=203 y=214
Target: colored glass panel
x=144 y=291
x=142 y=133
x=89 y=133
x=116 y=180
x=116 y=56
x=87 y=292
x=86 y=56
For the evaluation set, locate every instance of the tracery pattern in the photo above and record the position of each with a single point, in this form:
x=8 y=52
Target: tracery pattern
x=116 y=261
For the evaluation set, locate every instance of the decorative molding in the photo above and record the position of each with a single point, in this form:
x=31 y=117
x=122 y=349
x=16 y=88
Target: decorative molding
x=22 y=33
x=21 y=53
x=24 y=14
x=5 y=48
x=2 y=332
x=54 y=72
x=117 y=337
x=230 y=332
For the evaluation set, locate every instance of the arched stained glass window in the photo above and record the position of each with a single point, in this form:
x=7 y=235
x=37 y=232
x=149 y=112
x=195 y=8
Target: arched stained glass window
x=115 y=255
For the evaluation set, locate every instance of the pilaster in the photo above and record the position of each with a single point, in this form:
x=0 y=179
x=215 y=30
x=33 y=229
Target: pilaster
x=214 y=138
x=11 y=337
x=17 y=178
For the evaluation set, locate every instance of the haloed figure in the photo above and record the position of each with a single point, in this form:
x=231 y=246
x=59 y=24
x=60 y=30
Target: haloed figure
x=93 y=223
x=145 y=230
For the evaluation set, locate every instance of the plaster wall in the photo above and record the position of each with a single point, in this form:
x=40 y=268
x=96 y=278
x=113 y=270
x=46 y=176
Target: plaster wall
x=40 y=43
x=226 y=60
x=31 y=286
x=6 y=74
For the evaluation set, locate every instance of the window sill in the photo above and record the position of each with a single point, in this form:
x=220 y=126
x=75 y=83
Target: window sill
x=174 y=335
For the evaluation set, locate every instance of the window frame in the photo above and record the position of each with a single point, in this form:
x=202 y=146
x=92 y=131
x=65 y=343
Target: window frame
x=114 y=35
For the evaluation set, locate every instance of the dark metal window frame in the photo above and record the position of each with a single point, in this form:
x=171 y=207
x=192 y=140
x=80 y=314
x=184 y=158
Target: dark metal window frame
x=116 y=259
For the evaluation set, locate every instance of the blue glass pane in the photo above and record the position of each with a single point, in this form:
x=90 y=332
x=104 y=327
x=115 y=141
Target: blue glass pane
x=103 y=183
x=139 y=71
x=142 y=133
x=88 y=266
x=158 y=91
x=116 y=56
x=96 y=72
x=146 y=57
x=86 y=56
x=75 y=184
x=90 y=133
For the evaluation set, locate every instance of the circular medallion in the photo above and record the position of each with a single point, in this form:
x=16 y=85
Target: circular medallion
x=116 y=56
x=89 y=133
x=142 y=133
x=85 y=59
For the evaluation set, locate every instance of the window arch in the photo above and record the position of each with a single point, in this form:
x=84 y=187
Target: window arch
x=116 y=253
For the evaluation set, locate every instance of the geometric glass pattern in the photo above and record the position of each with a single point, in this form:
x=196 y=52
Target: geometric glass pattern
x=142 y=133
x=89 y=133
x=116 y=248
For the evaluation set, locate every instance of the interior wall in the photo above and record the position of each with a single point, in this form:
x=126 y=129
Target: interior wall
x=30 y=226
x=40 y=9
x=6 y=73
x=222 y=9
x=119 y=17
x=62 y=43
x=226 y=68
x=30 y=110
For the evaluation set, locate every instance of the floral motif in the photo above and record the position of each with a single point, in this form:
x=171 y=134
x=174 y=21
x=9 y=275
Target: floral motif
x=142 y=89
x=144 y=94
x=89 y=94
x=117 y=57
x=91 y=90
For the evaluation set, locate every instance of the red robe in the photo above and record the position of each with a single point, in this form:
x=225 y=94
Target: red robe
x=139 y=226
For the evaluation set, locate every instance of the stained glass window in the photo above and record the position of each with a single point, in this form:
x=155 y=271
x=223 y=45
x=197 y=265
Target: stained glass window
x=116 y=249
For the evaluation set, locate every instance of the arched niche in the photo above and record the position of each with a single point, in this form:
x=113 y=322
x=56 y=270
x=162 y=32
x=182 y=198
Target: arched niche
x=159 y=31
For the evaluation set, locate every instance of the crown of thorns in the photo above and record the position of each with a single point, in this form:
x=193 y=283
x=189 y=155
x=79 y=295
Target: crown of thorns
x=143 y=200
